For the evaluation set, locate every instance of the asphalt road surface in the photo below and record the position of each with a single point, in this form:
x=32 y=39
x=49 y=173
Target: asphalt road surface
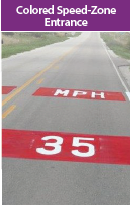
x=81 y=64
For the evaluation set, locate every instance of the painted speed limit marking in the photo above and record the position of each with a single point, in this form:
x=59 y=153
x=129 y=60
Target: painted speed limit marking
x=7 y=89
x=57 y=146
x=66 y=147
x=84 y=94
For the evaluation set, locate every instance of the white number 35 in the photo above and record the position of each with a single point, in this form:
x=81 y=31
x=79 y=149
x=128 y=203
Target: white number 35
x=58 y=146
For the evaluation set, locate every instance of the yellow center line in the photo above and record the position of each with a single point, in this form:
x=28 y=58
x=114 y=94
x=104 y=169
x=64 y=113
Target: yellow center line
x=18 y=90
x=56 y=67
x=39 y=81
x=7 y=112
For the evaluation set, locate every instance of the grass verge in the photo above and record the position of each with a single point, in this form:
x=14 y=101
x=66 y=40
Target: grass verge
x=18 y=42
x=119 y=42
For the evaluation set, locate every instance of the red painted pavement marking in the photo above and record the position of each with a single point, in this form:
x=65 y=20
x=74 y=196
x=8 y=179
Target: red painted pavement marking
x=66 y=147
x=84 y=94
x=7 y=89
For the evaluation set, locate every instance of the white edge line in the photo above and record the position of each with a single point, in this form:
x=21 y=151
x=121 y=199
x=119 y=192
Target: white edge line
x=128 y=95
x=126 y=89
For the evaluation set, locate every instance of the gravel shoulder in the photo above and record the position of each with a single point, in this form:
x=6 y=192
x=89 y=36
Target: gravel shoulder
x=122 y=64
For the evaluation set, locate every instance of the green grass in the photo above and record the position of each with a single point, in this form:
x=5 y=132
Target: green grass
x=119 y=43
x=20 y=42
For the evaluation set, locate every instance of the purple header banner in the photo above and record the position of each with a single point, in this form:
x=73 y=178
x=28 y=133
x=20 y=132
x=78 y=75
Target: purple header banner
x=83 y=15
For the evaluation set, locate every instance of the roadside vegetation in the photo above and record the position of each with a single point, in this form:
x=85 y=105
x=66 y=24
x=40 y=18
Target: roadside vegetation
x=119 y=42
x=17 y=42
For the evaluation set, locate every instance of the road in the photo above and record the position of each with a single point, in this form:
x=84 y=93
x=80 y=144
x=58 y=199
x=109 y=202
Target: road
x=81 y=64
